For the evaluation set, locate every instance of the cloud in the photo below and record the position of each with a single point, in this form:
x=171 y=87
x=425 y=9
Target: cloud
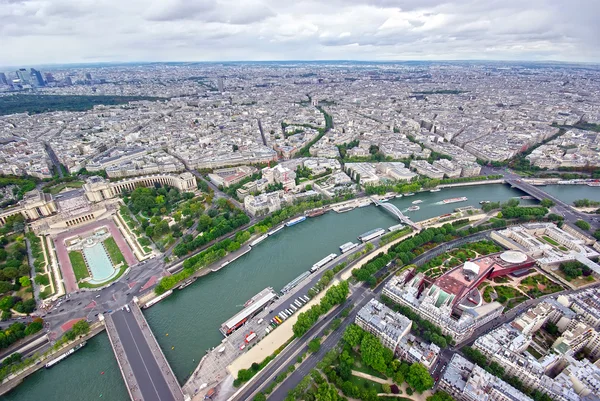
x=61 y=31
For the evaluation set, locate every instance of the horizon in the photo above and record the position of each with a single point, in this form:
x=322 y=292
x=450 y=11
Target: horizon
x=306 y=61
x=48 y=32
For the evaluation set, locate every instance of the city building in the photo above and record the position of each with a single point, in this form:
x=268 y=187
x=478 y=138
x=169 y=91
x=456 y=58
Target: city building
x=226 y=177
x=412 y=349
x=388 y=326
x=465 y=381
x=453 y=301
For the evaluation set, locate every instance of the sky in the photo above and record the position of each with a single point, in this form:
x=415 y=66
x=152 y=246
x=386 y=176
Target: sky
x=34 y=32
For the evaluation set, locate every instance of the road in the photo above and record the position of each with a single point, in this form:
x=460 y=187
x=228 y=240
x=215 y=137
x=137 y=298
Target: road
x=87 y=304
x=153 y=385
x=54 y=159
x=359 y=297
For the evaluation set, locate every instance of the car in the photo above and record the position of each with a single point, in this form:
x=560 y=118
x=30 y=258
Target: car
x=270 y=311
x=98 y=296
x=79 y=304
x=62 y=310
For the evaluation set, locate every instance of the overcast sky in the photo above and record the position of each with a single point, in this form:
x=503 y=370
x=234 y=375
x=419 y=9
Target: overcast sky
x=65 y=31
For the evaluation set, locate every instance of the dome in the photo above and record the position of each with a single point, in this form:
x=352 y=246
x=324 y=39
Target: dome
x=470 y=267
x=513 y=257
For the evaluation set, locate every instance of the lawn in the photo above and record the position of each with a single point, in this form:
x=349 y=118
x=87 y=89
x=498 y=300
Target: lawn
x=360 y=367
x=73 y=184
x=533 y=352
x=550 y=240
x=78 y=264
x=364 y=383
x=114 y=252
x=539 y=284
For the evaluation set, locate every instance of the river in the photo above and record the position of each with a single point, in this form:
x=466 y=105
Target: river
x=191 y=317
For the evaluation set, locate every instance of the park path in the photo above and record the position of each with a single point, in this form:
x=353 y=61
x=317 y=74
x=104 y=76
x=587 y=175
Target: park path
x=403 y=387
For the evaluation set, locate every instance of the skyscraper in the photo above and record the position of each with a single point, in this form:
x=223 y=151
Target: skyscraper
x=36 y=78
x=49 y=77
x=3 y=79
x=22 y=75
x=220 y=85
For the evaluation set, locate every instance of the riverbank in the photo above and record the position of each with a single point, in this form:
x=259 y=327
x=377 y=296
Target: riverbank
x=192 y=317
x=15 y=379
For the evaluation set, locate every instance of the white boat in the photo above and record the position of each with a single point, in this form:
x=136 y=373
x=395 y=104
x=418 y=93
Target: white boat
x=409 y=194
x=275 y=230
x=435 y=190
x=413 y=208
x=416 y=202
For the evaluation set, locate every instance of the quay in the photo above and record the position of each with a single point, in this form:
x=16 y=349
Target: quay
x=145 y=370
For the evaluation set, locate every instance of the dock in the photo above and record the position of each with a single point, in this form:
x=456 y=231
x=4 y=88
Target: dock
x=140 y=358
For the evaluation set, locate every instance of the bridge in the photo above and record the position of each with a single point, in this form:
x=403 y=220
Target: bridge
x=567 y=211
x=395 y=211
x=146 y=372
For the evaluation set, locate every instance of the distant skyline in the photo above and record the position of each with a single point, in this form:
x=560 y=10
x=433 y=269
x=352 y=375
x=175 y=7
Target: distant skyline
x=44 y=32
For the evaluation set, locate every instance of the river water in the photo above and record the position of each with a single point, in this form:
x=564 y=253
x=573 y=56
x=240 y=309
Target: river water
x=191 y=317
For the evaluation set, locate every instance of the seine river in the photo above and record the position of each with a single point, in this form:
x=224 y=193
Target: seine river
x=192 y=317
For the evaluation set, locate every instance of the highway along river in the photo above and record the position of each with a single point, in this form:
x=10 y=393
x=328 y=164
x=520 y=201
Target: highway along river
x=191 y=317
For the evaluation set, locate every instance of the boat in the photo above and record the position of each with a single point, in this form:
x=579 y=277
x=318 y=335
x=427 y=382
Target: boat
x=435 y=190
x=157 y=299
x=323 y=262
x=369 y=235
x=275 y=230
x=255 y=305
x=364 y=204
x=527 y=197
x=399 y=196
x=413 y=208
x=317 y=212
x=348 y=246
x=396 y=227
x=484 y=202
x=416 y=202
x=65 y=355
x=186 y=283
x=454 y=200
x=593 y=184
x=345 y=209
x=259 y=240
x=409 y=194
x=295 y=221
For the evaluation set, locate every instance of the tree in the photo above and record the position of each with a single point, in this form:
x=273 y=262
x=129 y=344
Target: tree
x=572 y=269
x=547 y=203
x=371 y=352
x=419 y=378
x=314 y=345
x=551 y=328
x=259 y=396
x=584 y=225
x=353 y=335
x=33 y=327
x=25 y=281
x=440 y=396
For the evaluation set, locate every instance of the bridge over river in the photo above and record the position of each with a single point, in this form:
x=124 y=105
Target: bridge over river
x=146 y=372
x=567 y=211
x=396 y=212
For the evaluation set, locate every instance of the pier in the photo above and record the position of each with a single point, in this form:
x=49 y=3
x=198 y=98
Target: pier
x=146 y=372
